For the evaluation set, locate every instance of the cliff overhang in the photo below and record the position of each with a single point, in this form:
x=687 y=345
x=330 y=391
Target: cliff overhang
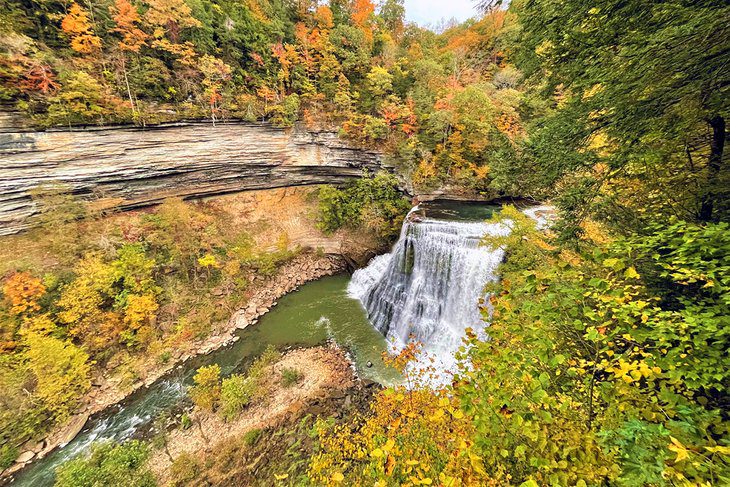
x=130 y=167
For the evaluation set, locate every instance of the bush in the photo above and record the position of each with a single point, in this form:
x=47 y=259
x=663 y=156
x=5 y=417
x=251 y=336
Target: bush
x=375 y=203
x=251 y=437
x=8 y=454
x=108 y=465
x=186 y=422
x=237 y=392
x=289 y=377
x=286 y=113
x=605 y=367
x=264 y=361
x=207 y=389
x=184 y=469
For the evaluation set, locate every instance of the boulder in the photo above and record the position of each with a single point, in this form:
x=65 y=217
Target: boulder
x=25 y=457
x=73 y=428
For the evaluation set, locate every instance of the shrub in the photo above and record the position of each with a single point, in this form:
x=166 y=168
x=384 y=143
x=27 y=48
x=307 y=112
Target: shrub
x=184 y=469
x=289 y=377
x=108 y=465
x=264 y=361
x=286 y=113
x=8 y=454
x=604 y=367
x=251 y=437
x=375 y=203
x=237 y=392
x=207 y=389
x=186 y=421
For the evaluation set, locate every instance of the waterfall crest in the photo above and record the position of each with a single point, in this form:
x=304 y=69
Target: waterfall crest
x=430 y=285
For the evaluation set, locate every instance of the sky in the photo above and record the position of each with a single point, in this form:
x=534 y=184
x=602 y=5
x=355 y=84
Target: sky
x=426 y=12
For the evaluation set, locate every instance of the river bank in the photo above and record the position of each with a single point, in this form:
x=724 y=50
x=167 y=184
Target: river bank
x=326 y=374
x=106 y=391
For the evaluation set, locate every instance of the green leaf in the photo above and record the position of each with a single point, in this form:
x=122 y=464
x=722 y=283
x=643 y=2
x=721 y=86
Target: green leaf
x=614 y=264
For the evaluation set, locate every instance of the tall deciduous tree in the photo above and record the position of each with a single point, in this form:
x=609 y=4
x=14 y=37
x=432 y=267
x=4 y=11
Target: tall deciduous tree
x=78 y=26
x=362 y=17
x=127 y=22
x=61 y=370
x=640 y=94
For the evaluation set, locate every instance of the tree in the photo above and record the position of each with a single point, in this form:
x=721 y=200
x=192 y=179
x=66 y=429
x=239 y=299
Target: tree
x=127 y=22
x=85 y=303
x=640 y=97
x=61 y=371
x=216 y=74
x=380 y=81
x=169 y=17
x=362 y=17
x=77 y=25
x=206 y=392
x=22 y=292
x=110 y=465
x=81 y=99
x=392 y=12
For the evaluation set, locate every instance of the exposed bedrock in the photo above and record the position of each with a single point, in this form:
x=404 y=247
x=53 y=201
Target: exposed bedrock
x=122 y=167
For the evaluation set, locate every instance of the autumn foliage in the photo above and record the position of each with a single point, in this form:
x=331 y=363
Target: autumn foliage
x=22 y=292
x=77 y=25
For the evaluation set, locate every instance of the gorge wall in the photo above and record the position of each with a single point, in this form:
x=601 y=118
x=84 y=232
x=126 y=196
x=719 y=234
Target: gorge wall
x=125 y=168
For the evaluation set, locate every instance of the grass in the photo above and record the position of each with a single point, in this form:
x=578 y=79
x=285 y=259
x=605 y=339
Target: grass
x=290 y=377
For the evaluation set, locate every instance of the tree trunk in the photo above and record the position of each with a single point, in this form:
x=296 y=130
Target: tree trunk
x=129 y=90
x=714 y=164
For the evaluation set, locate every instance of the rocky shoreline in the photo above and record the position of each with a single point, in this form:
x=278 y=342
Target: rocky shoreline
x=303 y=268
x=325 y=372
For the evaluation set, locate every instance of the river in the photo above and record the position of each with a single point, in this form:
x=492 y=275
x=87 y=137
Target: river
x=317 y=312
x=429 y=286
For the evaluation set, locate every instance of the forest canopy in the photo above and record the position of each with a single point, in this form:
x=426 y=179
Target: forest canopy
x=444 y=105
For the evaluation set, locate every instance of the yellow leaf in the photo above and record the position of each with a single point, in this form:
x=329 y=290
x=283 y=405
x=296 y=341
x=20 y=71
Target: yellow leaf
x=631 y=273
x=281 y=477
x=447 y=481
x=337 y=477
x=679 y=449
x=438 y=414
x=377 y=453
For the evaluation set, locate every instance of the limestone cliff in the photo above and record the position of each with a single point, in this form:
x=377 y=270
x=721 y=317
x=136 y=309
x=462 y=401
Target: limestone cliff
x=133 y=167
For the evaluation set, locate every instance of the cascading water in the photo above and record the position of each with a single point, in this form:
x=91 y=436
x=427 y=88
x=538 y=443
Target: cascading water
x=430 y=285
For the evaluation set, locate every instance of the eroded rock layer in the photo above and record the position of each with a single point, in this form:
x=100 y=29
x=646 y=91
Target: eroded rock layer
x=129 y=167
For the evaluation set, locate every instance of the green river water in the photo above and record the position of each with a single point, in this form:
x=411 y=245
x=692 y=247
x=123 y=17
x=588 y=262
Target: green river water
x=318 y=312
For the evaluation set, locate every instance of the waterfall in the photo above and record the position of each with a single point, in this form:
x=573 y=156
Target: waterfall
x=430 y=285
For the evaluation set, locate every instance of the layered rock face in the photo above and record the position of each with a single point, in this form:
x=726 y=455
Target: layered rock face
x=128 y=168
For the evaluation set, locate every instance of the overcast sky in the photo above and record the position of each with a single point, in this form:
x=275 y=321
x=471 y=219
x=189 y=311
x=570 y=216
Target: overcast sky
x=431 y=11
